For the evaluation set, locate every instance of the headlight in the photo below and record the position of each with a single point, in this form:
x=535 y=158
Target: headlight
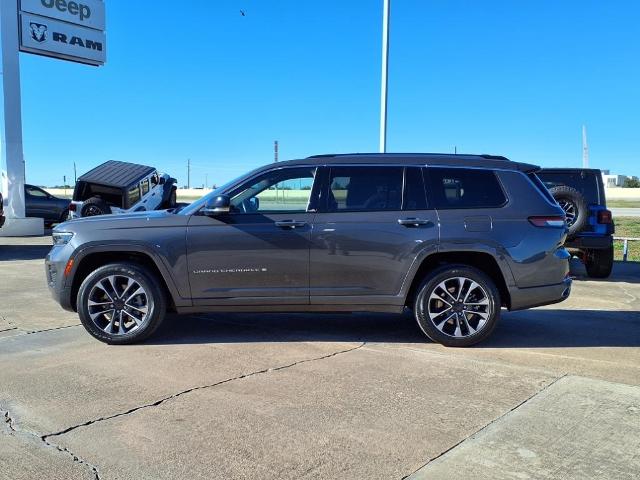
x=61 y=238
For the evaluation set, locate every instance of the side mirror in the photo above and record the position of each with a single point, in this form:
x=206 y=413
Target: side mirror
x=162 y=180
x=217 y=205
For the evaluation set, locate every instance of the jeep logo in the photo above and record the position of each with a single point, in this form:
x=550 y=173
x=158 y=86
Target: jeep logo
x=73 y=8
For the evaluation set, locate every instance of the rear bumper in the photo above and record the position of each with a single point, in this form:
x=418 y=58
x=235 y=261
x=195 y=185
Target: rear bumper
x=595 y=242
x=522 y=298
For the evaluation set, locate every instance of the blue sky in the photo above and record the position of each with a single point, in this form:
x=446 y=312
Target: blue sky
x=196 y=79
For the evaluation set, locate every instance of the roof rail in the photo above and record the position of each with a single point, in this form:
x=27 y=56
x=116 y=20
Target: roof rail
x=494 y=157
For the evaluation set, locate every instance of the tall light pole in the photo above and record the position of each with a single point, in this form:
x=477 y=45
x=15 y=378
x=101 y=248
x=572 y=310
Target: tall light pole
x=585 y=148
x=386 y=13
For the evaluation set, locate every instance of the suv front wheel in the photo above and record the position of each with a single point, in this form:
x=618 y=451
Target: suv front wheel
x=457 y=306
x=120 y=303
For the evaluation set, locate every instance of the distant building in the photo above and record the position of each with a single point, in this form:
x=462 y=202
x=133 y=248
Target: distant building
x=613 y=180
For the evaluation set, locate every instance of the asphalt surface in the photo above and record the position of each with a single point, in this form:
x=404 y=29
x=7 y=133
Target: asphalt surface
x=553 y=394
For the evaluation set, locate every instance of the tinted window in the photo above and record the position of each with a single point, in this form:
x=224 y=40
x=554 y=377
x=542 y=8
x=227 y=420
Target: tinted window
x=465 y=188
x=414 y=194
x=36 y=192
x=144 y=185
x=282 y=190
x=365 y=189
x=134 y=195
x=585 y=182
x=542 y=188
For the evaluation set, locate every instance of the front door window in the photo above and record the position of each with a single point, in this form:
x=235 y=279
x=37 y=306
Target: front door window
x=279 y=191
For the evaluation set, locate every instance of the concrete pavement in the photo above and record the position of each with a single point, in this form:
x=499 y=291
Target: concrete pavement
x=318 y=396
x=625 y=212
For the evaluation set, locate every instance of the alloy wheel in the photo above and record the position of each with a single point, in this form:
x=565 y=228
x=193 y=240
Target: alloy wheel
x=570 y=211
x=459 y=307
x=118 y=305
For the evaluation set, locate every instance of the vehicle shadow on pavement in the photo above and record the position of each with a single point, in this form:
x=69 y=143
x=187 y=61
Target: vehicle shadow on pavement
x=287 y=327
x=542 y=328
x=23 y=252
x=554 y=328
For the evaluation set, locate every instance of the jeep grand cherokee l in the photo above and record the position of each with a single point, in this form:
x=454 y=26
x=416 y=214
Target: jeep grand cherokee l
x=453 y=237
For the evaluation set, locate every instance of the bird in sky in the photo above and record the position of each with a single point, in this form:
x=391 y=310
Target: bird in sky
x=242 y=13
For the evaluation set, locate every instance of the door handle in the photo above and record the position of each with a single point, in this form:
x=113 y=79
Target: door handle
x=290 y=224
x=414 y=222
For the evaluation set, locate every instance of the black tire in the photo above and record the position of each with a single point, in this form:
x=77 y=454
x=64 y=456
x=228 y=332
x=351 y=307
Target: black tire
x=479 y=327
x=574 y=205
x=94 y=206
x=599 y=263
x=156 y=304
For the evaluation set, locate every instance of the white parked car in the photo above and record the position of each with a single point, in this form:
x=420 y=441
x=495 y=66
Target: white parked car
x=121 y=187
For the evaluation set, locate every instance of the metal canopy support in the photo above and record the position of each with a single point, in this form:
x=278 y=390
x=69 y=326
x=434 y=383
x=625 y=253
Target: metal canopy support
x=11 y=128
x=385 y=74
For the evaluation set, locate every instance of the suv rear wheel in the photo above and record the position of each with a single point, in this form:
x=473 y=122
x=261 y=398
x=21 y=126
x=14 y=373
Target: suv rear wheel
x=120 y=303
x=94 y=206
x=574 y=205
x=457 y=306
x=599 y=263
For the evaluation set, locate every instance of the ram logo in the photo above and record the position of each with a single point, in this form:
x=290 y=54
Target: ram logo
x=38 y=32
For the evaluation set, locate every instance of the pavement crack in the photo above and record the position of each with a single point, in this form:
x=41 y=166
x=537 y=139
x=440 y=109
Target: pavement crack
x=199 y=387
x=32 y=332
x=11 y=424
x=432 y=459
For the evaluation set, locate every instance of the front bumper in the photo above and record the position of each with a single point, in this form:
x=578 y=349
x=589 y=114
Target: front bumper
x=54 y=265
x=522 y=298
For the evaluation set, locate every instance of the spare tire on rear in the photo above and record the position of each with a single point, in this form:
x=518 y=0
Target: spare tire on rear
x=575 y=207
x=94 y=206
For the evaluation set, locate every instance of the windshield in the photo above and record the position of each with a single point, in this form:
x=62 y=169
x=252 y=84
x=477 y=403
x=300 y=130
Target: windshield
x=198 y=204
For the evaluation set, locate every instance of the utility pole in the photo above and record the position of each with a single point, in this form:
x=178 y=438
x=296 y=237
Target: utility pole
x=206 y=180
x=585 y=148
x=75 y=174
x=386 y=13
x=188 y=173
x=275 y=151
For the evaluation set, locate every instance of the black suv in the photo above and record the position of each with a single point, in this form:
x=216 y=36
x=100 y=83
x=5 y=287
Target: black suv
x=580 y=193
x=453 y=237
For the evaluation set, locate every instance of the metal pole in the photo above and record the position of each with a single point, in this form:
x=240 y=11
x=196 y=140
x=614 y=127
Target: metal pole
x=188 y=173
x=275 y=151
x=10 y=110
x=386 y=13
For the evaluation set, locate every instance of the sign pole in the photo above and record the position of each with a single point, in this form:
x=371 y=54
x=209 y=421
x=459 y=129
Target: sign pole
x=385 y=74
x=11 y=127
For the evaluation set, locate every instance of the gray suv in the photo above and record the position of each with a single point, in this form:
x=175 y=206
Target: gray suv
x=455 y=238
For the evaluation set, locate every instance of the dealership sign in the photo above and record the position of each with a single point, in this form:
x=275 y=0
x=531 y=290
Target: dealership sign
x=69 y=30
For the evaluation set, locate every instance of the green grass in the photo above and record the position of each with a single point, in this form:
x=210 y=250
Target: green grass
x=623 y=203
x=627 y=227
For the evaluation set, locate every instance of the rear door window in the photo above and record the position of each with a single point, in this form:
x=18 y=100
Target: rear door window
x=144 y=186
x=453 y=188
x=133 y=195
x=365 y=189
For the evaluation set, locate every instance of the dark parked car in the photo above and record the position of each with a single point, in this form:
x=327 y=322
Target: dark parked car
x=41 y=204
x=453 y=237
x=580 y=193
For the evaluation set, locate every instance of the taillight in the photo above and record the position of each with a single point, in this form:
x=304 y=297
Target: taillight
x=72 y=207
x=604 y=216
x=554 y=222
